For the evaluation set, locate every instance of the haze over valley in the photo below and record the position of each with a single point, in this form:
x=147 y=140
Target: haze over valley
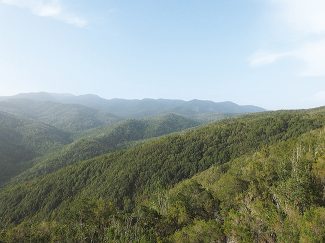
x=162 y=121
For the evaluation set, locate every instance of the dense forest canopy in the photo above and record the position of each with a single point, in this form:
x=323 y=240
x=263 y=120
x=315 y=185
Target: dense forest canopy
x=191 y=140
x=255 y=178
x=23 y=140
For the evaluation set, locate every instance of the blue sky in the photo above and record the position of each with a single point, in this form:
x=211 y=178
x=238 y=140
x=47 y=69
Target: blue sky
x=269 y=53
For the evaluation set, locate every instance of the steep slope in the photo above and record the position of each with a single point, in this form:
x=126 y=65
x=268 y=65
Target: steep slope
x=71 y=118
x=106 y=139
x=128 y=177
x=273 y=195
x=147 y=107
x=23 y=140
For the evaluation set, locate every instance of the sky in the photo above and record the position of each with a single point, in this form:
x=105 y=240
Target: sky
x=269 y=53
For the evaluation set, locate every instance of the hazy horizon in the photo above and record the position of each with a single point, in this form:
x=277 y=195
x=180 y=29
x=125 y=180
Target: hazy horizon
x=267 y=53
x=176 y=121
x=110 y=98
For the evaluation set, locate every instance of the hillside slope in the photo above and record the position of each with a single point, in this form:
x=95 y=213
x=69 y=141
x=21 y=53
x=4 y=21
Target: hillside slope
x=23 y=140
x=128 y=177
x=107 y=139
x=273 y=195
x=68 y=117
x=256 y=178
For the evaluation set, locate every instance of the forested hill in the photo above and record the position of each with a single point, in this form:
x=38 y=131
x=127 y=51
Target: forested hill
x=23 y=140
x=69 y=117
x=107 y=139
x=273 y=195
x=200 y=109
x=264 y=182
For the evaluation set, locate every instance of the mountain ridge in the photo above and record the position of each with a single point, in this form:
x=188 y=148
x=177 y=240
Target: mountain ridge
x=70 y=117
x=135 y=108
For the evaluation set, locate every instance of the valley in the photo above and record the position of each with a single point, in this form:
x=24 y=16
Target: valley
x=163 y=177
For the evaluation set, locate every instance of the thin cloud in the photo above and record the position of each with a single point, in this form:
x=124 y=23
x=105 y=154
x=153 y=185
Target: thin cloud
x=265 y=57
x=303 y=17
x=311 y=54
x=48 y=8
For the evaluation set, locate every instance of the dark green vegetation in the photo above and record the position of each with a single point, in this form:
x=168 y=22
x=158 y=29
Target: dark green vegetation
x=259 y=178
x=23 y=140
x=107 y=139
x=33 y=132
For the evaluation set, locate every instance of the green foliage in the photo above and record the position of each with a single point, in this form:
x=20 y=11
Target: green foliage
x=107 y=139
x=258 y=178
x=200 y=231
x=312 y=225
x=22 y=140
x=269 y=207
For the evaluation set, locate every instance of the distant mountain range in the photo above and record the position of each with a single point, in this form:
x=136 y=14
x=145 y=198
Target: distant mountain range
x=33 y=124
x=86 y=169
x=69 y=117
x=199 y=109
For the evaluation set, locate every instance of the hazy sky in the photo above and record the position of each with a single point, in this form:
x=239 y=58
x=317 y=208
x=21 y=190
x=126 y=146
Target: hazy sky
x=269 y=53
